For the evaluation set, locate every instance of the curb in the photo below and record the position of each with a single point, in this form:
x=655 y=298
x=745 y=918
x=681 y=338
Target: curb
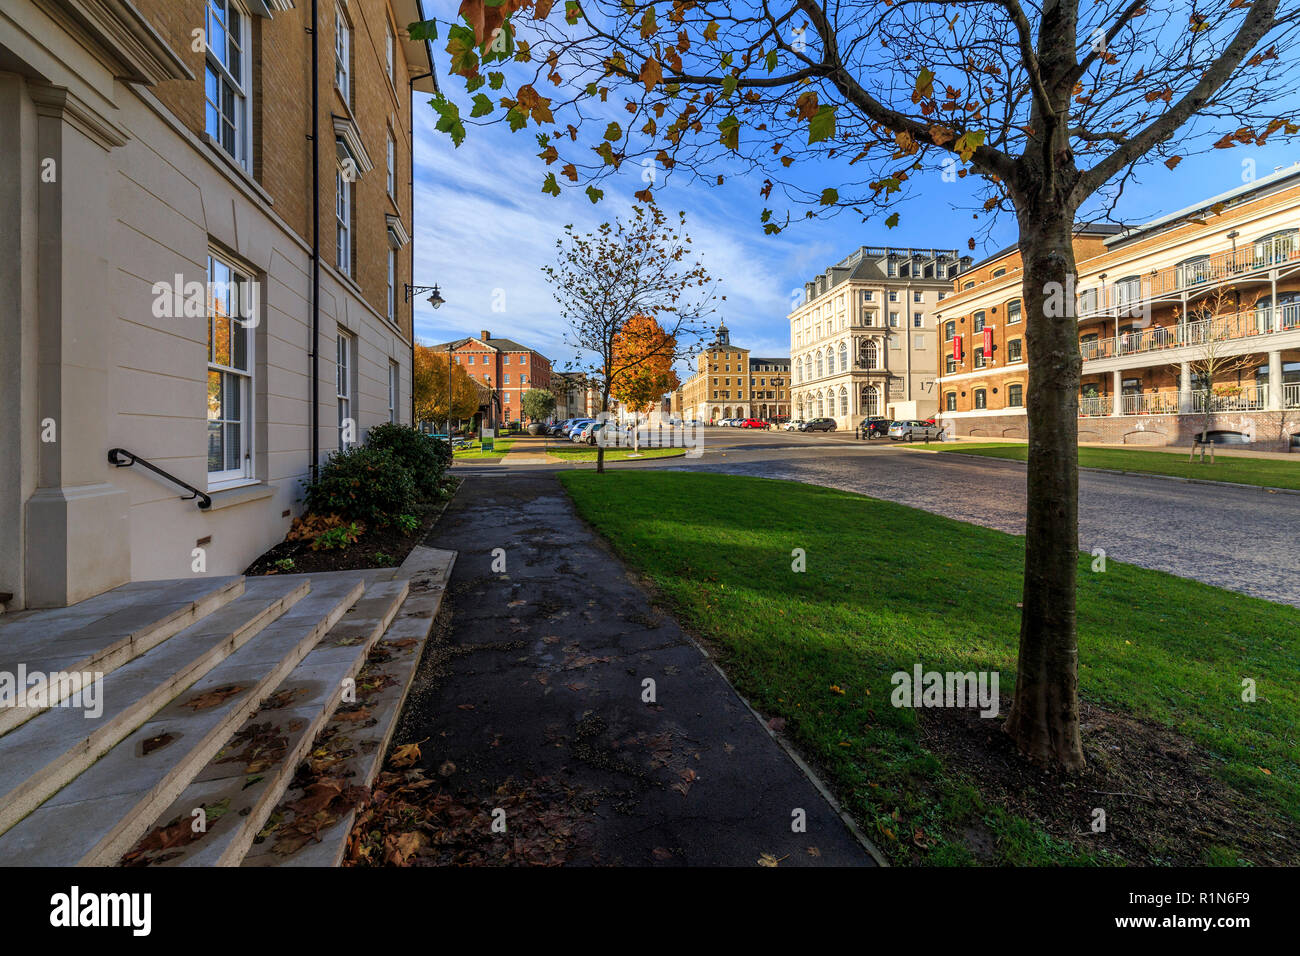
x=1266 y=489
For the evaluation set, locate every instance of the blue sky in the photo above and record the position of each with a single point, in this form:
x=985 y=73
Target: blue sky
x=483 y=229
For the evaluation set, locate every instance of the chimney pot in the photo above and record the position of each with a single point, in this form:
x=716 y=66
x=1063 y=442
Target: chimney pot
x=485 y=335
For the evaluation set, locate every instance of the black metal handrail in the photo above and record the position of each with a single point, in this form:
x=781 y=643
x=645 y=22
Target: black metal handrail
x=121 y=458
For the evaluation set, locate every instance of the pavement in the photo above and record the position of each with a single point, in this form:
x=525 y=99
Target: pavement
x=1236 y=537
x=539 y=681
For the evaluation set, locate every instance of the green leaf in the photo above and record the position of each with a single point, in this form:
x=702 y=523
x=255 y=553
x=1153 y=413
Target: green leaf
x=571 y=11
x=475 y=82
x=423 y=30
x=830 y=196
x=729 y=132
x=495 y=80
x=822 y=125
x=482 y=106
x=449 y=121
x=771 y=60
x=551 y=187
x=968 y=142
x=729 y=84
x=892 y=221
x=613 y=132
x=517 y=118
x=595 y=195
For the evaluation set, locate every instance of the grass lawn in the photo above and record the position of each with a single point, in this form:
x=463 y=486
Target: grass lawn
x=580 y=453
x=1162 y=661
x=1269 y=472
x=474 y=450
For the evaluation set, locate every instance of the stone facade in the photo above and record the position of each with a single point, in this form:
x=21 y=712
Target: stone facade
x=124 y=178
x=730 y=383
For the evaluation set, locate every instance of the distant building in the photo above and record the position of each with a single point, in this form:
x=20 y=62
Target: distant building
x=505 y=367
x=575 y=395
x=730 y=383
x=863 y=341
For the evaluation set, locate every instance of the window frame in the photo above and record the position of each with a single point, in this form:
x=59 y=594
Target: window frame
x=981 y=398
x=344 y=217
x=345 y=354
x=343 y=54
x=1015 y=395
x=240 y=122
x=246 y=376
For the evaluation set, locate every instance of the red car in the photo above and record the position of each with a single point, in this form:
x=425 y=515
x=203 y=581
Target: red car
x=754 y=423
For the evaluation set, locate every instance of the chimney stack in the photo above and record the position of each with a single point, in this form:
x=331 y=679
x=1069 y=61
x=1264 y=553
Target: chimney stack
x=485 y=335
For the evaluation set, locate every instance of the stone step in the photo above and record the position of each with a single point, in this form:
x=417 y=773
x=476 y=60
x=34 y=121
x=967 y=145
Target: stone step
x=98 y=816
x=241 y=785
x=99 y=635
x=350 y=752
x=43 y=755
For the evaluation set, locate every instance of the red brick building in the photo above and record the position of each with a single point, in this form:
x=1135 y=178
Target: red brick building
x=505 y=367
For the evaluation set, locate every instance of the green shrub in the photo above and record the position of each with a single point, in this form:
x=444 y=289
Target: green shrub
x=339 y=537
x=408 y=523
x=422 y=456
x=364 y=484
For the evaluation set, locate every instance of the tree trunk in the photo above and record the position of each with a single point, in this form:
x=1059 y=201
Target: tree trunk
x=1044 y=717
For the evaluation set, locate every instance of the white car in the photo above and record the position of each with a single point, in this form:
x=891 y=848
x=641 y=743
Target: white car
x=793 y=425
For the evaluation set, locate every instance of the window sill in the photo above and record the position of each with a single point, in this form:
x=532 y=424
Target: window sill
x=228 y=496
x=231 y=164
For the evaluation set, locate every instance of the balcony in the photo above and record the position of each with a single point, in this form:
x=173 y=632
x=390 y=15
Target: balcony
x=1249 y=398
x=1250 y=261
x=1222 y=328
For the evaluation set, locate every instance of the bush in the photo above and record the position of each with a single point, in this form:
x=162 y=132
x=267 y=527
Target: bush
x=364 y=484
x=423 y=456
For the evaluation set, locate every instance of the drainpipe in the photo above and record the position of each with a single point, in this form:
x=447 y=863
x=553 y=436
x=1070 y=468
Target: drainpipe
x=315 y=238
x=410 y=185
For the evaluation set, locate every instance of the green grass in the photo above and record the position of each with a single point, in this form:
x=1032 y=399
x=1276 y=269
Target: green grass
x=474 y=450
x=580 y=453
x=1268 y=472
x=887 y=586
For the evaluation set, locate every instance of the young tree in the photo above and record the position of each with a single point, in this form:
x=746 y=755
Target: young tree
x=648 y=354
x=538 y=404
x=642 y=267
x=1046 y=103
x=431 y=388
x=1213 y=325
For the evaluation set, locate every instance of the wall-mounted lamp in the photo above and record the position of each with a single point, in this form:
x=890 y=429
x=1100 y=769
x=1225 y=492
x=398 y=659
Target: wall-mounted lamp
x=435 y=299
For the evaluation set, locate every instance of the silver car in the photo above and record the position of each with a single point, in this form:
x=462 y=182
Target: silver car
x=914 y=431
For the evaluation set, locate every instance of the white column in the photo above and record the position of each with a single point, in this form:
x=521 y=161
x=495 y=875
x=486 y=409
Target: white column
x=1185 y=388
x=1275 y=373
x=1117 y=401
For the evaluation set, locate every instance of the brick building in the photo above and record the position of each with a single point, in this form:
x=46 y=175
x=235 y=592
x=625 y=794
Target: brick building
x=730 y=383
x=1187 y=323
x=171 y=290
x=505 y=367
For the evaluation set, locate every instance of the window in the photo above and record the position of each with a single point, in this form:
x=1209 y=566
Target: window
x=392 y=285
x=979 y=358
x=392 y=391
x=343 y=389
x=949 y=330
x=998 y=273
x=916 y=320
x=343 y=55
x=1192 y=271
x=1015 y=396
x=893 y=320
x=1013 y=350
x=230 y=374
x=893 y=295
x=225 y=79
x=392 y=165
x=343 y=221
x=950 y=364
x=1127 y=291
x=844 y=360
x=870 y=355
x=968 y=285
x=389 y=50
x=1277 y=247
x=942 y=296
x=1013 y=312
x=950 y=401
x=869 y=295
x=916 y=297
x=979 y=321
x=981 y=398
x=844 y=400
x=505 y=378
x=820 y=368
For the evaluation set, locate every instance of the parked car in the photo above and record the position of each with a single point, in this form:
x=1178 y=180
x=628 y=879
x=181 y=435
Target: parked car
x=753 y=423
x=819 y=425
x=778 y=420
x=577 y=426
x=589 y=433
x=914 y=431
x=876 y=426
x=794 y=425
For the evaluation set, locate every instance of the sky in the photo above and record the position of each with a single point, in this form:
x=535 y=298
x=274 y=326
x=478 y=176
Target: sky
x=484 y=229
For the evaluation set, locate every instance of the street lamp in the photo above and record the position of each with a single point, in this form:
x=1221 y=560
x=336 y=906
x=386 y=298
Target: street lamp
x=776 y=384
x=435 y=299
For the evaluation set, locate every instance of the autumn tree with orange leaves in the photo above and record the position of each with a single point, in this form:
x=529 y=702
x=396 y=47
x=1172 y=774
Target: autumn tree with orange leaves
x=614 y=283
x=648 y=354
x=1047 y=104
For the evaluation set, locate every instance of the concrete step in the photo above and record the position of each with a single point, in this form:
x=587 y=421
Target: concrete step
x=98 y=816
x=41 y=756
x=99 y=635
x=241 y=785
x=349 y=752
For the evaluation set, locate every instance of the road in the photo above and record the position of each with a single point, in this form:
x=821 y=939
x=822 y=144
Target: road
x=1239 y=538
